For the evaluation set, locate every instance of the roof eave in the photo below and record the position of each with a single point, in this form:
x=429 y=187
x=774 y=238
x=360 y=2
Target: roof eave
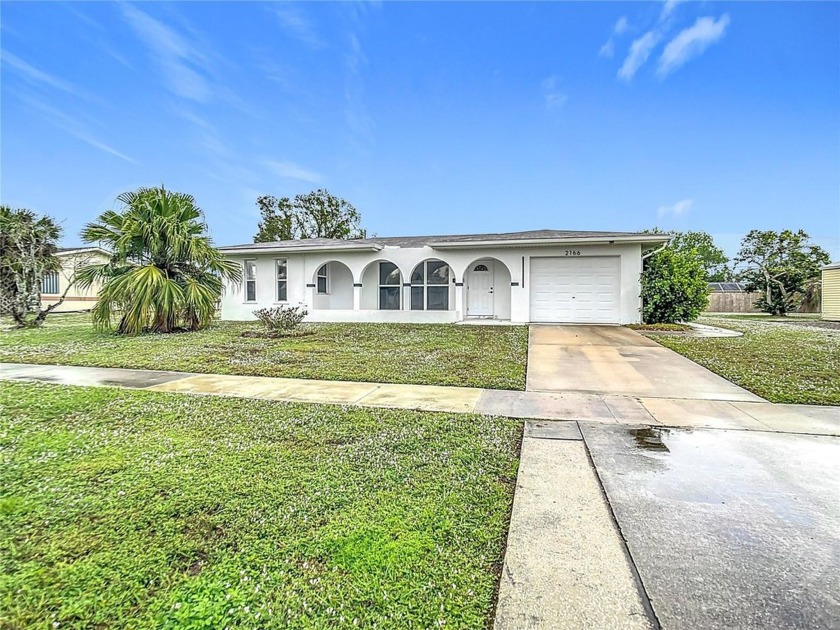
x=543 y=242
x=301 y=250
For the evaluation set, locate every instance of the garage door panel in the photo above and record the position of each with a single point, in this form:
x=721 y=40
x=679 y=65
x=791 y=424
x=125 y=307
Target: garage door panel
x=581 y=290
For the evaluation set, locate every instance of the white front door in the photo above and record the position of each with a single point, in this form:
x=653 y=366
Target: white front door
x=576 y=290
x=480 y=289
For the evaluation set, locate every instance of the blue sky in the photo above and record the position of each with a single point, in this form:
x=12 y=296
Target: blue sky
x=432 y=118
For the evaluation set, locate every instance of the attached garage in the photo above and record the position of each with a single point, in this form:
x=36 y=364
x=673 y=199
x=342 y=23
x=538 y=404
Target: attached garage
x=585 y=289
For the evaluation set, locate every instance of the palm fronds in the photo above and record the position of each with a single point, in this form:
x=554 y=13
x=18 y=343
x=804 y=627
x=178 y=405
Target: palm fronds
x=164 y=272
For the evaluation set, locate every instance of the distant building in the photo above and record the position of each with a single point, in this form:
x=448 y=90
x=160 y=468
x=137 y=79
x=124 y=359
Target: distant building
x=54 y=283
x=831 y=292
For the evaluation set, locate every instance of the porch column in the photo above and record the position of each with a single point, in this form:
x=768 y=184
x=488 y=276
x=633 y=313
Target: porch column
x=459 y=299
x=357 y=296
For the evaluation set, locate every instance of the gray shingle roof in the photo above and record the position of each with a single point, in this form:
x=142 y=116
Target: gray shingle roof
x=422 y=241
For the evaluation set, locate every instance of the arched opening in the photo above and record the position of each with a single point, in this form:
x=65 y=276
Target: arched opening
x=381 y=286
x=431 y=286
x=487 y=284
x=333 y=286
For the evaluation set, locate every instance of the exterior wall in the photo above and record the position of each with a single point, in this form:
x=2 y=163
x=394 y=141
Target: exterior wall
x=76 y=299
x=831 y=294
x=513 y=265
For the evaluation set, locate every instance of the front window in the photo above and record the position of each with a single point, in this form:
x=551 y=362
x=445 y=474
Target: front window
x=250 y=280
x=389 y=287
x=430 y=286
x=282 y=280
x=49 y=283
x=322 y=279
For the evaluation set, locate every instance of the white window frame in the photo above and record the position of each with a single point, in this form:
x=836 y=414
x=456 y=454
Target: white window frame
x=325 y=276
x=247 y=279
x=277 y=279
x=389 y=286
x=426 y=284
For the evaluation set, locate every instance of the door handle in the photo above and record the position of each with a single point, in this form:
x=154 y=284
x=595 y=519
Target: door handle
x=491 y=290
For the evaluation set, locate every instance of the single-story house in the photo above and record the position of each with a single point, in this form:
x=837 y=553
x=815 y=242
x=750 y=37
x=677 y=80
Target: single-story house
x=521 y=277
x=831 y=292
x=55 y=283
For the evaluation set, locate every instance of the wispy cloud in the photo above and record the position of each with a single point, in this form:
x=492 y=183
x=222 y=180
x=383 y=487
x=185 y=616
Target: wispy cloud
x=691 y=42
x=73 y=127
x=37 y=77
x=297 y=25
x=608 y=49
x=640 y=50
x=290 y=170
x=679 y=209
x=182 y=63
x=554 y=98
x=668 y=8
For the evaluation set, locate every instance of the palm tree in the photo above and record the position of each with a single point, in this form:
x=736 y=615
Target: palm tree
x=164 y=273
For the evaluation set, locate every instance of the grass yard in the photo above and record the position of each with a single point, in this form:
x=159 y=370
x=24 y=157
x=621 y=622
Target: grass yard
x=784 y=363
x=123 y=509
x=429 y=354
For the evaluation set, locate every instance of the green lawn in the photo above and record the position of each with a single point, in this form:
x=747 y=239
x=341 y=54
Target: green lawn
x=784 y=363
x=123 y=509
x=431 y=354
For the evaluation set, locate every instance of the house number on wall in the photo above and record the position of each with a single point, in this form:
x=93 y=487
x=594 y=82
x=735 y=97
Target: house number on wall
x=572 y=252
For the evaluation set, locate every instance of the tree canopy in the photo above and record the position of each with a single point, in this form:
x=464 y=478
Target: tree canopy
x=712 y=257
x=28 y=244
x=164 y=272
x=780 y=266
x=317 y=214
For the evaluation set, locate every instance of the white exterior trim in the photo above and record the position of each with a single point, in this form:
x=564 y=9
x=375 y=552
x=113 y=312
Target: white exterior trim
x=512 y=259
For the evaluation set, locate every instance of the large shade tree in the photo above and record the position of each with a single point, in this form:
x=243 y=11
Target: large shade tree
x=28 y=243
x=164 y=273
x=318 y=214
x=781 y=265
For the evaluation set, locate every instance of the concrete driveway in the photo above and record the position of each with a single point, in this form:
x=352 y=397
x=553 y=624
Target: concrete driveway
x=619 y=361
x=727 y=529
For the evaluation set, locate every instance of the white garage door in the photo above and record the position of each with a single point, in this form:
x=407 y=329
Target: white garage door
x=582 y=290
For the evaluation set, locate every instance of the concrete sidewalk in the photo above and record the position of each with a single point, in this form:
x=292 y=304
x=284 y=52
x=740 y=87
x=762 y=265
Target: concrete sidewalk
x=566 y=565
x=606 y=408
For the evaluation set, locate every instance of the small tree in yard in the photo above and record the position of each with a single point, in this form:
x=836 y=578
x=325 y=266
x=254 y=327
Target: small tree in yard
x=780 y=265
x=674 y=287
x=318 y=214
x=28 y=244
x=164 y=273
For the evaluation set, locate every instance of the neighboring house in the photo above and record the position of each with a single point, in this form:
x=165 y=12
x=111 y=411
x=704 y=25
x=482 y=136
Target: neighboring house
x=537 y=276
x=831 y=292
x=731 y=297
x=55 y=283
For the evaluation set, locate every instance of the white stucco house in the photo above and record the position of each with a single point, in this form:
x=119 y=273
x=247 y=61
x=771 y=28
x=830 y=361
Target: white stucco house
x=521 y=277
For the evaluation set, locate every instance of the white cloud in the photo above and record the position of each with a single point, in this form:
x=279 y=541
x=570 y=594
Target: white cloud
x=621 y=25
x=640 y=50
x=294 y=22
x=551 y=92
x=180 y=61
x=691 y=42
x=38 y=77
x=608 y=49
x=291 y=170
x=668 y=8
x=677 y=210
x=74 y=127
